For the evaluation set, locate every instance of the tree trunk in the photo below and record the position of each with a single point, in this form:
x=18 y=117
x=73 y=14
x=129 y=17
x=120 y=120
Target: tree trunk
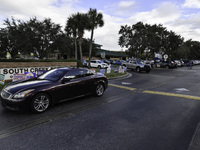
x=80 y=48
x=75 y=45
x=90 y=49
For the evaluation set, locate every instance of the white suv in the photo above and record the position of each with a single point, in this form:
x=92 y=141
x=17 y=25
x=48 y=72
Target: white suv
x=98 y=64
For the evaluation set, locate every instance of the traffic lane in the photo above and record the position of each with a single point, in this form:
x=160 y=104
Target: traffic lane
x=141 y=81
x=136 y=121
x=21 y=120
x=144 y=80
x=162 y=80
x=184 y=82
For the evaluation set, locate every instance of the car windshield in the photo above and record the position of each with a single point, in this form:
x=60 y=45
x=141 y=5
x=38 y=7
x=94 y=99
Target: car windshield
x=53 y=75
x=100 y=61
x=139 y=62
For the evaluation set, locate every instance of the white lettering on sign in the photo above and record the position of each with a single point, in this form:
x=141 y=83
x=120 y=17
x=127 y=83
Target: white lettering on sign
x=9 y=72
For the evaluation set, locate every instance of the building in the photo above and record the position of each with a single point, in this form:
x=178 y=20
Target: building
x=111 y=55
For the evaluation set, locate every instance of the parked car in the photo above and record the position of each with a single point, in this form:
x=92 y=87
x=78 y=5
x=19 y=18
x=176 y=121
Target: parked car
x=169 y=64
x=196 y=62
x=84 y=63
x=54 y=86
x=111 y=61
x=178 y=63
x=137 y=65
x=98 y=64
x=186 y=62
x=117 y=62
x=106 y=61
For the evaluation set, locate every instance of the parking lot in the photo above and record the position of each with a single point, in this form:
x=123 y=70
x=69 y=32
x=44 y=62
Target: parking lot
x=156 y=110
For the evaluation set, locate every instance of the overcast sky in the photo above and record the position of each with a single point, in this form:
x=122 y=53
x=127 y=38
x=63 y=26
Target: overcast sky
x=180 y=16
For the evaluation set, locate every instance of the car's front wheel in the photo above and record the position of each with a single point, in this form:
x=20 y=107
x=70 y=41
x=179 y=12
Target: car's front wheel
x=99 y=90
x=138 y=69
x=40 y=103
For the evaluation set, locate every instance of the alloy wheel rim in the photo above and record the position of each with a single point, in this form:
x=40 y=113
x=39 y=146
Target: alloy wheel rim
x=41 y=103
x=100 y=89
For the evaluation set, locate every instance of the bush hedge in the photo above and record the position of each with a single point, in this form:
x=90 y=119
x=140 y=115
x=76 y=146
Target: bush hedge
x=79 y=64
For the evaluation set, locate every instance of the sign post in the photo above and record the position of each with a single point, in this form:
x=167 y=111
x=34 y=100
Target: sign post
x=165 y=57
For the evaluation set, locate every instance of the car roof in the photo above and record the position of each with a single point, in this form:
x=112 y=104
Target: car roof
x=66 y=68
x=96 y=60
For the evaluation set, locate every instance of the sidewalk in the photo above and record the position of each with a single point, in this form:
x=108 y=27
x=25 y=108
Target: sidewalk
x=121 y=77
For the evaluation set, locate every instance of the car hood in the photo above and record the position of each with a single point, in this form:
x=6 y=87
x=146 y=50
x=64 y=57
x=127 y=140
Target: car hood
x=26 y=84
x=104 y=64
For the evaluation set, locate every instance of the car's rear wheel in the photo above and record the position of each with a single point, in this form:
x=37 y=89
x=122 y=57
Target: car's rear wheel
x=40 y=103
x=99 y=90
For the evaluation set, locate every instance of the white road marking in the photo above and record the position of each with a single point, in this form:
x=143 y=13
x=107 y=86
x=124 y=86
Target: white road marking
x=125 y=83
x=181 y=90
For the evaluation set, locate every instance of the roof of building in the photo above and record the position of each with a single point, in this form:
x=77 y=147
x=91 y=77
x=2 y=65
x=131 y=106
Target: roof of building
x=111 y=53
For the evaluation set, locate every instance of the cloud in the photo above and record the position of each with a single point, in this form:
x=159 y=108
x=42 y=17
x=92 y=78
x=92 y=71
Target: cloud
x=57 y=10
x=178 y=17
x=192 y=4
x=172 y=16
x=164 y=13
x=122 y=8
x=187 y=27
x=126 y=4
x=24 y=6
x=108 y=34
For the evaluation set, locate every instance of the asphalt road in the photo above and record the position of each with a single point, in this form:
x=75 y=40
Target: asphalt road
x=155 y=111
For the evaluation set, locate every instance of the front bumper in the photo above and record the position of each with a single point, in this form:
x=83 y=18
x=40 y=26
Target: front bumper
x=15 y=105
x=146 y=68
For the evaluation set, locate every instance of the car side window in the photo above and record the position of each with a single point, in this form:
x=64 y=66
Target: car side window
x=89 y=73
x=74 y=74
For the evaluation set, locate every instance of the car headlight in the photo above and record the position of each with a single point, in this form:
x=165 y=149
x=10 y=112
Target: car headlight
x=22 y=94
x=141 y=66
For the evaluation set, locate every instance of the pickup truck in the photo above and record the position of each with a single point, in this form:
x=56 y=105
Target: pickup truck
x=137 y=65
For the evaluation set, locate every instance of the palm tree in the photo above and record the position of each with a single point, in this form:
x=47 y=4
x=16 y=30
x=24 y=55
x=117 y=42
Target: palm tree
x=81 y=19
x=94 y=20
x=76 y=24
x=71 y=29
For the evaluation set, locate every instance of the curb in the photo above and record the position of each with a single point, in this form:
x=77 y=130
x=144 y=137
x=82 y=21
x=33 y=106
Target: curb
x=121 y=77
x=195 y=143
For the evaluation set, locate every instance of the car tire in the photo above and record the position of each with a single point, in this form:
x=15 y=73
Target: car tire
x=99 y=67
x=40 y=103
x=138 y=69
x=99 y=90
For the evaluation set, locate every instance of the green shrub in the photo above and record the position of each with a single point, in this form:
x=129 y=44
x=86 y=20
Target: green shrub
x=79 y=64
